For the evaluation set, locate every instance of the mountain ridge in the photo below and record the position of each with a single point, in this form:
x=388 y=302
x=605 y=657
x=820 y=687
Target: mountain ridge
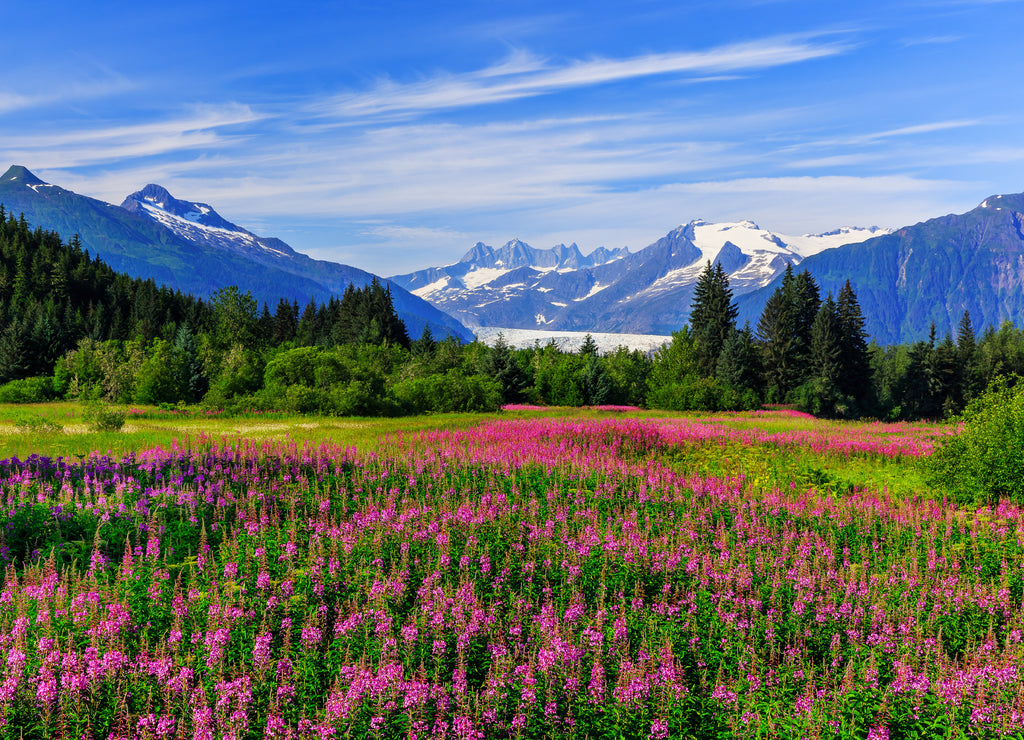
x=929 y=273
x=643 y=292
x=197 y=257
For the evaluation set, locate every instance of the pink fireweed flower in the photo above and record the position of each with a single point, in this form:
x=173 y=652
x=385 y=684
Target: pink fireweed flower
x=596 y=687
x=311 y=636
x=261 y=649
x=263 y=581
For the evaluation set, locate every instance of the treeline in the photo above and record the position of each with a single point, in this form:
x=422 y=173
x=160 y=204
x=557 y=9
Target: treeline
x=814 y=353
x=70 y=327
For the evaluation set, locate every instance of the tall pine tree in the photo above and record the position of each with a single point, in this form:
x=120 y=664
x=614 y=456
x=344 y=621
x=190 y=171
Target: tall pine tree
x=855 y=380
x=712 y=316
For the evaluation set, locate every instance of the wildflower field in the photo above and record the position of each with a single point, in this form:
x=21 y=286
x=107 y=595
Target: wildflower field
x=522 y=576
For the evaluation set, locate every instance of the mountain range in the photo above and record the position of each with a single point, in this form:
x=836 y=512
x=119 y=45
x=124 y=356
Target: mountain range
x=646 y=292
x=929 y=273
x=906 y=280
x=189 y=247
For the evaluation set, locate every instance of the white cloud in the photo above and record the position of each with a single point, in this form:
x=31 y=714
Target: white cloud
x=68 y=149
x=64 y=92
x=524 y=76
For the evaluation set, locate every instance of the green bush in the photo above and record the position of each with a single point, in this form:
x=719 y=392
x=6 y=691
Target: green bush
x=38 y=424
x=102 y=418
x=447 y=393
x=985 y=461
x=28 y=390
x=695 y=393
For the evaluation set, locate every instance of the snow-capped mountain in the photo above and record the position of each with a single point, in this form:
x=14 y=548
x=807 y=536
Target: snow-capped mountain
x=198 y=222
x=649 y=291
x=189 y=247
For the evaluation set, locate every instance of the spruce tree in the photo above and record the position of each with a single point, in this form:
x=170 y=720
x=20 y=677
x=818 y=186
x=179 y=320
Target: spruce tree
x=824 y=396
x=855 y=380
x=739 y=364
x=589 y=346
x=967 y=359
x=805 y=300
x=712 y=316
x=426 y=344
x=500 y=364
x=776 y=339
x=596 y=385
x=192 y=380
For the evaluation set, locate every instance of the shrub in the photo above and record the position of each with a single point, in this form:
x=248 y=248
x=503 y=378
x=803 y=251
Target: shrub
x=38 y=424
x=695 y=393
x=448 y=393
x=102 y=418
x=985 y=461
x=27 y=390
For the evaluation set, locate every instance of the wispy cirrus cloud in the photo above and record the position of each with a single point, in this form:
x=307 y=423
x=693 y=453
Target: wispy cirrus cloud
x=524 y=76
x=921 y=128
x=69 y=148
x=13 y=100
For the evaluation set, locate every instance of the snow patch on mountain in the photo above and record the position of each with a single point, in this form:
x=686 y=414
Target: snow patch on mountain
x=809 y=244
x=189 y=227
x=482 y=276
x=560 y=288
x=570 y=340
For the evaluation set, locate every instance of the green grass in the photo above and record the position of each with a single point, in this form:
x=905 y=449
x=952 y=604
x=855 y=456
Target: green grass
x=58 y=429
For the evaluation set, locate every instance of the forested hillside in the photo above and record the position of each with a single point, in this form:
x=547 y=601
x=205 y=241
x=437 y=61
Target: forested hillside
x=70 y=327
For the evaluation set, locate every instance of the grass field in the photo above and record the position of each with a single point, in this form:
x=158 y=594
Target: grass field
x=558 y=573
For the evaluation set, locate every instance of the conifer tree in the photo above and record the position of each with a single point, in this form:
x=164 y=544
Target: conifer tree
x=596 y=384
x=855 y=380
x=500 y=364
x=776 y=339
x=824 y=396
x=739 y=364
x=588 y=346
x=805 y=300
x=712 y=316
x=426 y=344
x=192 y=380
x=967 y=359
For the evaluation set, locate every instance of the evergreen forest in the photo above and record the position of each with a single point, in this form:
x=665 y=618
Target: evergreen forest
x=72 y=328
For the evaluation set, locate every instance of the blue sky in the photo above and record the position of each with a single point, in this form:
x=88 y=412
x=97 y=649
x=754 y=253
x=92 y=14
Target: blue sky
x=394 y=135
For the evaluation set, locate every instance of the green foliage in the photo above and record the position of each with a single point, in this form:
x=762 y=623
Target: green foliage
x=38 y=424
x=784 y=334
x=712 y=316
x=241 y=373
x=985 y=461
x=627 y=372
x=101 y=417
x=739 y=364
x=694 y=393
x=502 y=365
x=28 y=390
x=159 y=378
x=447 y=393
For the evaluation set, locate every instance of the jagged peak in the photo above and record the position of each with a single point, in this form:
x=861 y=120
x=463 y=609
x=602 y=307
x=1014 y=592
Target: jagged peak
x=159 y=197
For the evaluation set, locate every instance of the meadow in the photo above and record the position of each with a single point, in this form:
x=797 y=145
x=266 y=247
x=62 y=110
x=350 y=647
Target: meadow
x=603 y=573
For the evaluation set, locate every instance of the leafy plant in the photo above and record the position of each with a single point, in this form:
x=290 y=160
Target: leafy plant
x=38 y=424
x=103 y=418
x=985 y=461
